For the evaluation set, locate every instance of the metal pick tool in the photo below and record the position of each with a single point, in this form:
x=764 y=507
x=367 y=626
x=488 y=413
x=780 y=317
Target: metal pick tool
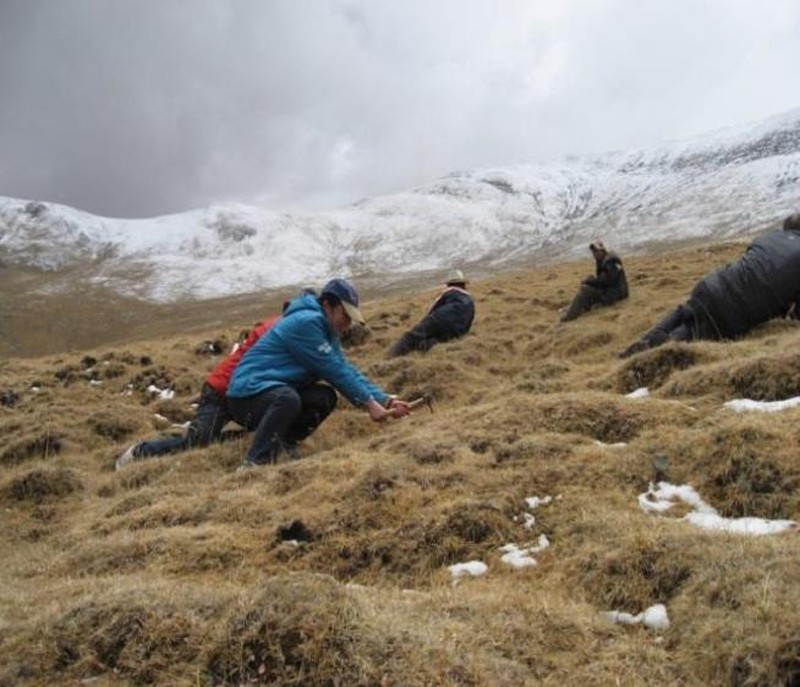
x=424 y=400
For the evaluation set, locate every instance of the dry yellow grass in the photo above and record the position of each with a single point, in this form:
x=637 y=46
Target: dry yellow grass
x=332 y=570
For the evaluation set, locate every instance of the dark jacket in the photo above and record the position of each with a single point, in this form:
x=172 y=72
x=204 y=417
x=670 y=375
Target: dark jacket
x=610 y=278
x=454 y=309
x=762 y=284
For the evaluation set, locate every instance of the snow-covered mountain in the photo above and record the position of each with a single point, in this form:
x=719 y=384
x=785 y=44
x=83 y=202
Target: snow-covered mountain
x=727 y=184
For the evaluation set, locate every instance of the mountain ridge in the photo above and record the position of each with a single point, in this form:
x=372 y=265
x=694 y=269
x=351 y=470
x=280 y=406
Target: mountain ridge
x=724 y=185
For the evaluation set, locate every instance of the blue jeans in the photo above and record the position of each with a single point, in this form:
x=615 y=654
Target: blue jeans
x=206 y=427
x=281 y=416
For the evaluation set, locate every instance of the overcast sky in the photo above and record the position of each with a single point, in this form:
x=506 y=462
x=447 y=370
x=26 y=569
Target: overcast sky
x=133 y=108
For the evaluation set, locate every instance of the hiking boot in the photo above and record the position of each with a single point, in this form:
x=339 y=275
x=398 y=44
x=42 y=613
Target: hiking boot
x=246 y=466
x=129 y=456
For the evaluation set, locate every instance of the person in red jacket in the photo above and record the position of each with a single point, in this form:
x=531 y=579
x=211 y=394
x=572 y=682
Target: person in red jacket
x=212 y=411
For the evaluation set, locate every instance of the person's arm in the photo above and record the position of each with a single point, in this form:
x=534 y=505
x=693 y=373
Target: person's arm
x=607 y=275
x=308 y=343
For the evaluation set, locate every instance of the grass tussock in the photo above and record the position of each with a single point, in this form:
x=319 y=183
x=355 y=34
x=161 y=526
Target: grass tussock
x=333 y=569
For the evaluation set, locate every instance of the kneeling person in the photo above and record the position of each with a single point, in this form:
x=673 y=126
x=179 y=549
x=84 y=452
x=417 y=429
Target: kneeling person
x=276 y=387
x=212 y=411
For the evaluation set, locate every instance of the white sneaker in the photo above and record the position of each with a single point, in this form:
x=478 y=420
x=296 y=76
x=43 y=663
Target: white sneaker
x=128 y=457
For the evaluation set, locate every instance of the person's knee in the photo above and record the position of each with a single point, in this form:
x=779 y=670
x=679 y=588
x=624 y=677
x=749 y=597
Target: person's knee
x=323 y=398
x=288 y=399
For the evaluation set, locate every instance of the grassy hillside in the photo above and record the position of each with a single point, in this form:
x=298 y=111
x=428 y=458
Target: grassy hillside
x=333 y=569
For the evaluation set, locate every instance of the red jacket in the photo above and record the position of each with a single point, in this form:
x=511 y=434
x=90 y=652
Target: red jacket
x=220 y=376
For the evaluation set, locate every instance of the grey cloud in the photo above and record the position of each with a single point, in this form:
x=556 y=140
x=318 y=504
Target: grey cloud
x=134 y=108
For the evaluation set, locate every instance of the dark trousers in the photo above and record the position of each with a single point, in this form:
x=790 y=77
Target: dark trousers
x=281 y=416
x=422 y=337
x=588 y=297
x=206 y=427
x=685 y=323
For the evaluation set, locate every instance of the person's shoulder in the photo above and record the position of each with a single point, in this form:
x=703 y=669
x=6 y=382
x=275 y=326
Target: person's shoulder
x=301 y=319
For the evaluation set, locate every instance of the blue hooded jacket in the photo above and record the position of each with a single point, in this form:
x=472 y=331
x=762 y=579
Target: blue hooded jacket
x=299 y=350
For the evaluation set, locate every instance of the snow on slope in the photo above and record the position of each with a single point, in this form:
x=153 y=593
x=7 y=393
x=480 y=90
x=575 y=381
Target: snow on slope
x=718 y=186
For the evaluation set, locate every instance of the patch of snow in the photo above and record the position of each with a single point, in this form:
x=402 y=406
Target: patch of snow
x=655 y=617
x=533 y=502
x=470 y=568
x=518 y=557
x=741 y=405
x=660 y=498
x=161 y=394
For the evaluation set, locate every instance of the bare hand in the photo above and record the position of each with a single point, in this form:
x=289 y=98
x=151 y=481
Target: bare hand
x=396 y=408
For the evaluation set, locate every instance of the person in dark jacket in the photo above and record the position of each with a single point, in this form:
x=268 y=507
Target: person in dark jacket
x=212 y=411
x=764 y=283
x=276 y=389
x=607 y=286
x=448 y=318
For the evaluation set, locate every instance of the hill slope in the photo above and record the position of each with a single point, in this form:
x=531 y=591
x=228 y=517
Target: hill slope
x=333 y=569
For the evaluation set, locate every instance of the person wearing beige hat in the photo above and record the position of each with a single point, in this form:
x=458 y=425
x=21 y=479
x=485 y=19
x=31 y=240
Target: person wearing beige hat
x=449 y=317
x=608 y=285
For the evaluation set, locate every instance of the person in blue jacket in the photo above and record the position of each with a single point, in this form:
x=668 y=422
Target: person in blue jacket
x=277 y=388
x=449 y=317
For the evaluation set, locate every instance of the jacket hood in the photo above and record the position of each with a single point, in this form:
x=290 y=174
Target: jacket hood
x=309 y=305
x=305 y=301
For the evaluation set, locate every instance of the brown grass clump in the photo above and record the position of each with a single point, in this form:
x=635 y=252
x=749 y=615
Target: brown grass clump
x=41 y=485
x=295 y=631
x=143 y=641
x=652 y=368
x=333 y=569
x=770 y=377
x=747 y=469
x=30 y=443
x=114 y=424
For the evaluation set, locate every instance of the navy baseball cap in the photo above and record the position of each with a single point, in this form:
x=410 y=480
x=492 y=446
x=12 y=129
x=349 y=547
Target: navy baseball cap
x=346 y=293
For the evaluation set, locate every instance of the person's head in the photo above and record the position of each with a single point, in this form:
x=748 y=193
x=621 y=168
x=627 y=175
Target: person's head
x=456 y=278
x=340 y=303
x=792 y=222
x=598 y=249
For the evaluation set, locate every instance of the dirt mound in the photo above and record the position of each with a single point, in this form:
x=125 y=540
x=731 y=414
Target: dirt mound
x=771 y=377
x=652 y=368
x=746 y=469
x=141 y=640
x=42 y=485
x=28 y=443
x=295 y=631
x=115 y=424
